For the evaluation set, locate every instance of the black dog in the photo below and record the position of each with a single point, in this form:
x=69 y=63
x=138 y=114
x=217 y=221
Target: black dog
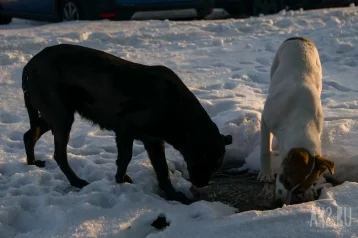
x=137 y=102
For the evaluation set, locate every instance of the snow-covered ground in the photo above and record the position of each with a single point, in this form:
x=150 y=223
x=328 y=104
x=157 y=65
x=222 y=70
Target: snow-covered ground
x=226 y=64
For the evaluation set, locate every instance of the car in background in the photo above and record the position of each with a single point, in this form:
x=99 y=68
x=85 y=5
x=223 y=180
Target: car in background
x=317 y=4
x=69 y=10
x=247 y=8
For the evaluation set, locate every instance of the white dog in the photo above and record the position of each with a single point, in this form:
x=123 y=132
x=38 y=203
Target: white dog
x=293 y=114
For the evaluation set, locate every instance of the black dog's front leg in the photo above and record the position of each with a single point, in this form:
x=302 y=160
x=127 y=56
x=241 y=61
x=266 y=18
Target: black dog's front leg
x=156 y=153
x=125 y=148
x=61 y=137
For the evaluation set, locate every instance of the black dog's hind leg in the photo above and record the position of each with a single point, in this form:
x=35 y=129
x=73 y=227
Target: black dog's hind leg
x=30 y=139
x=38 y=127
x=125 y=149
x=156 y=152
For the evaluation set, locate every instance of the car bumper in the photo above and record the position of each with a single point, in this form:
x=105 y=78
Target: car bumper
x=111 y=10
x=221 y=3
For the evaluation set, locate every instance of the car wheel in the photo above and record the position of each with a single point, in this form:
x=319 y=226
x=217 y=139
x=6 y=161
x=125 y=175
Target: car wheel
x=5 y=20
x=263 y=6
x=280 y=5
x=70 y=11
x=233 y=9
x=240 y=9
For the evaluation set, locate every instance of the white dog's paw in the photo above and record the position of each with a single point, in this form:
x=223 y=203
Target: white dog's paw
x=310 y=194
x=267 y=177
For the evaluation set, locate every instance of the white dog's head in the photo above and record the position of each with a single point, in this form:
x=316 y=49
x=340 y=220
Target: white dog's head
x=298 y=171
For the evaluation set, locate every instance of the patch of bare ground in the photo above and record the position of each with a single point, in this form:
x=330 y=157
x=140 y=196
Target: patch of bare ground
x=242 y=190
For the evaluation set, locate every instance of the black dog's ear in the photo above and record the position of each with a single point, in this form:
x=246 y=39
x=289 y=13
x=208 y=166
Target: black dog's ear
x=227 y=139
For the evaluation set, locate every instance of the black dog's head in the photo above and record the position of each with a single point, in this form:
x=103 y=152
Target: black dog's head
x=205 y=158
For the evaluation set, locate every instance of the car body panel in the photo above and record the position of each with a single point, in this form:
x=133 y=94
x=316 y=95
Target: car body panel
x=49 y=10
x=149 y=2
x=29 y=6
x=29 y=9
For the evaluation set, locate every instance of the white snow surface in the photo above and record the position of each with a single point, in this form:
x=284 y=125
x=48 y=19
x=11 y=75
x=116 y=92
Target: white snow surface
x=226 y=64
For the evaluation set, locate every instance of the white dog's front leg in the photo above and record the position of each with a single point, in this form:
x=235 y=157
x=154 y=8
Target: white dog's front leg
x=265 y=174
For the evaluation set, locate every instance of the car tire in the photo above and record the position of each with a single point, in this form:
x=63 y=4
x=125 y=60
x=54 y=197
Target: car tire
x=5 y=20
x=240 y=9
x=264 y=7
x=280 y=5
x=70 y=11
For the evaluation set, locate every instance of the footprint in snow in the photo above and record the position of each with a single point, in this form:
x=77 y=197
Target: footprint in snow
x=16 y=136
x=261 y=69
x=15 y=142
x=77 y=141
x=344 y=47
x=5 y=59
x=217 y=86
x=13 y=147
x=263 y=61
x=336 y=86
x=70 y=189
x=350 y=62
x=8 y=118
x=230 y=85
x=246 y=62
x=109 y=149
x=87 y=151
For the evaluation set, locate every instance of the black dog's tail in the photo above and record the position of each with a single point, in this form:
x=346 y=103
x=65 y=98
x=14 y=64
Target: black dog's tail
x=33 y=113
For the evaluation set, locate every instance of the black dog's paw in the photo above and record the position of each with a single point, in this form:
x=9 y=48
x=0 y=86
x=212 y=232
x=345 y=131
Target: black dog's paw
x=160 y=222
x=38 y=163
x=124 y=179
x=127 y=179
x=180 y=197
x=80 y=183
x=227 y=139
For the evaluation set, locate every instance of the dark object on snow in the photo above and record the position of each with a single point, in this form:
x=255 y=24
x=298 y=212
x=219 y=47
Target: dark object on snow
x=137 y=102
x=161 y=222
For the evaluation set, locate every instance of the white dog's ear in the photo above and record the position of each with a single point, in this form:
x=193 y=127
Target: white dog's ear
x=323 y=164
